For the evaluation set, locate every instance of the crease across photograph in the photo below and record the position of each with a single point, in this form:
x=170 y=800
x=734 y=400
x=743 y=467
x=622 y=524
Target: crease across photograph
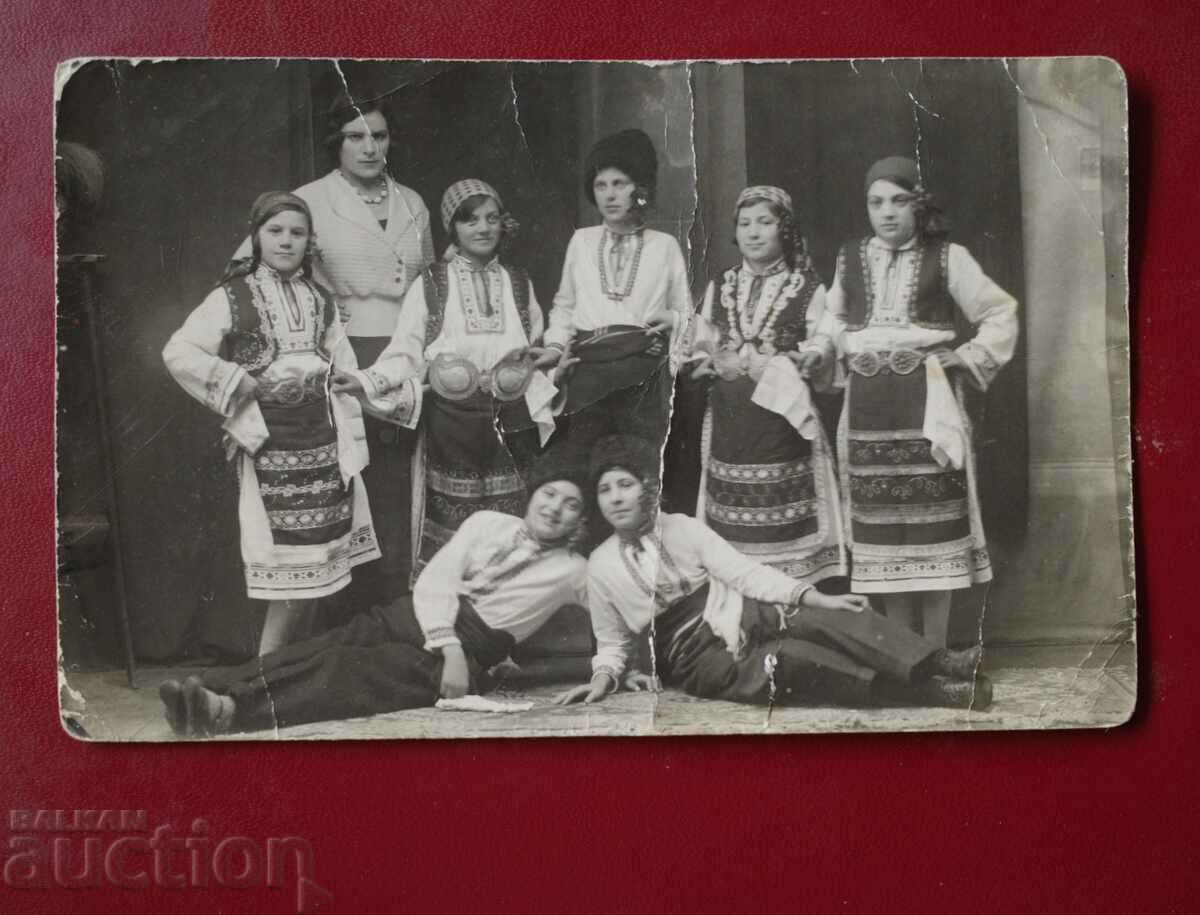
x=439 y=399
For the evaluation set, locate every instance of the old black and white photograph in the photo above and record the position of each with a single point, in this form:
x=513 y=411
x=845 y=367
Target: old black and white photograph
x=442 y=399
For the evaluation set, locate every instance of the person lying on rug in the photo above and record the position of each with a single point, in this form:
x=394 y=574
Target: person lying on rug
x=494 y=584
x=726 y=627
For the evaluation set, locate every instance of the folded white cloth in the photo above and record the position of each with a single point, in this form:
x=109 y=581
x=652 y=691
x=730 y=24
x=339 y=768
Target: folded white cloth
x=783 y=391
x=539 y=397
x=944 y=425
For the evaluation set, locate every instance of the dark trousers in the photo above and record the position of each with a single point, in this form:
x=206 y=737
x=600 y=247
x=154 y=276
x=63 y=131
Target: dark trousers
x=824 y=656
x=373 y=664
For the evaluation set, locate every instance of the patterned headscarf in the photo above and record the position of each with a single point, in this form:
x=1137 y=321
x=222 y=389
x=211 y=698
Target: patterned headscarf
x=460 y=191
x=776 y=195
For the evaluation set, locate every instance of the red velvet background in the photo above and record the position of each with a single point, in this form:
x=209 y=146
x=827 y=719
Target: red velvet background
x=1095 y=821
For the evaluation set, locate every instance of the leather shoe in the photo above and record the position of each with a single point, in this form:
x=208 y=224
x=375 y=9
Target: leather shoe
x=174 y=706
x=945 y=692
x=960 y=665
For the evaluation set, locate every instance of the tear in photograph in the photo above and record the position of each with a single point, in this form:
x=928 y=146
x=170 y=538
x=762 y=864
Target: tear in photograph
x=449 y=399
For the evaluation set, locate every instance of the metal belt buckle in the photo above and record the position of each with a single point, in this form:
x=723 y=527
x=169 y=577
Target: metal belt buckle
x=453 y=377
x=866 y=364
x=905 y=361
x=509 y=379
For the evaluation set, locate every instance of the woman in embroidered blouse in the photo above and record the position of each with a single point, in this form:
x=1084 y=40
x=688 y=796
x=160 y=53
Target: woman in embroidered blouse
x=725 y=627
x=906 y=455
x=769 y=484
x=373 y=240
x=258 y=351
x=465 y=328
x=622 y=304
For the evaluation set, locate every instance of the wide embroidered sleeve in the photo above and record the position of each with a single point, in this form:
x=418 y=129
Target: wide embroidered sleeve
x=992 y=310
x=191 y=356
x=392 y=387
x=436 y=592
x=615 y=641
x=827 y=325
x=739 y=572
x=562 y=312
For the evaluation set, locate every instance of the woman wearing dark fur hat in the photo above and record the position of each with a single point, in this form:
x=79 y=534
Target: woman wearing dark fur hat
x=725 y=627
x=623 y=302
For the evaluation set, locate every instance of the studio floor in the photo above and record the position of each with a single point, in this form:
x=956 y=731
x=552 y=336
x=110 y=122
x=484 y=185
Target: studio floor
x=1036 y=687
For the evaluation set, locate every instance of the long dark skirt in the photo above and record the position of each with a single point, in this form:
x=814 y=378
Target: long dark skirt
x=388 y=481
x=373 y=664
x=910 y=518
x=477 y=454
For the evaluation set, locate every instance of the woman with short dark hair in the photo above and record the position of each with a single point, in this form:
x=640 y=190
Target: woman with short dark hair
x=372 y=241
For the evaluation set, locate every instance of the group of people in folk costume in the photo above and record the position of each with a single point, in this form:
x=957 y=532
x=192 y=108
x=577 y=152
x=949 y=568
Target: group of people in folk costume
x=335 y=335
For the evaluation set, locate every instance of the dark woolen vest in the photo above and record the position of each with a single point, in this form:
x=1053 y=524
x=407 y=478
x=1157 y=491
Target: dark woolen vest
x=790 y=329
x=929 y=303
x=254 y=346
x=437 y=281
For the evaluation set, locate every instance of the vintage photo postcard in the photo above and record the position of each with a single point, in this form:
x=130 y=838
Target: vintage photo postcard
x=462 y=399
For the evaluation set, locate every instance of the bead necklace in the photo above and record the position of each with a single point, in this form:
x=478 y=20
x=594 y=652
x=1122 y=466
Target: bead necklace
x=742 y=326
x=367 y=198
x=611 y=291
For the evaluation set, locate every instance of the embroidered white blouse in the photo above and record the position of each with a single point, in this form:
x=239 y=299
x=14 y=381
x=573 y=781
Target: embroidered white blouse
x=514 y=583
x=393 y=384
x=981 y=300
x=652 y=282
x=192 y=357
x=679 y=557
x=368 y=268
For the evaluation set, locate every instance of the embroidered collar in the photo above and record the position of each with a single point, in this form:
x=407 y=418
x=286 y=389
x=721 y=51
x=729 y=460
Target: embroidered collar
x=778 y=267
x=266 y=272
x=878 y=244
x=473 y=266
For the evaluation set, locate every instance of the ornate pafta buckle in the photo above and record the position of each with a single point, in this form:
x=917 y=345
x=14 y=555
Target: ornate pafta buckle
x=453 y=377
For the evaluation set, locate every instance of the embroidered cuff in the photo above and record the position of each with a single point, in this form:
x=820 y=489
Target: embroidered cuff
x=980 y=363
x=440 y=637
x=221 y=386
